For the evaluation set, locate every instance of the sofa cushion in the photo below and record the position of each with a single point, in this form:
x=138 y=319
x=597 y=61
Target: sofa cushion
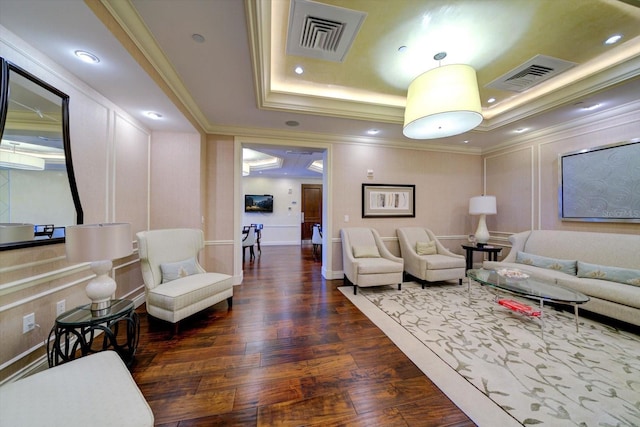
x=563 y=265
x=361 y=251
x=175 y=270
x=627 y=276
x=378 y=266
x=426 y=248
x=536 y=272
x=185 y=291
x=603 y=289
x=440 y=262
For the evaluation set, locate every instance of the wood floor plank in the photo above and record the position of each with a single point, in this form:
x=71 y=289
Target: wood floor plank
x=291 y=351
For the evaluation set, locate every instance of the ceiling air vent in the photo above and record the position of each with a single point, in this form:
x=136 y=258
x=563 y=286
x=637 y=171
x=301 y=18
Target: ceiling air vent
x=534 y=71
x=321 y=31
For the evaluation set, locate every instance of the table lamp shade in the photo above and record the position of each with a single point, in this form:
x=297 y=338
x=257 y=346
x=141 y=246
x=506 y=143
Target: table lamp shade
x=96 y=242
x=482 y=205
x=99 y=244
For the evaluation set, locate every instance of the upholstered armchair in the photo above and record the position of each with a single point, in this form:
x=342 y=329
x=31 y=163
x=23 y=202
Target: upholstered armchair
x=176 y=285
x=426 y=259
x=366 y=261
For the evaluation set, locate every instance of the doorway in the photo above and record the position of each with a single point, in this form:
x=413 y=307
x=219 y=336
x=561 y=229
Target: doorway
x=311 y=208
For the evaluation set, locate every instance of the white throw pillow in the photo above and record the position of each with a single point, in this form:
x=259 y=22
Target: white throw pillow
x=175 y=270
x=366 y=252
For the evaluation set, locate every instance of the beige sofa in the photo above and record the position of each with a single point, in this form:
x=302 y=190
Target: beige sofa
x=606 y=267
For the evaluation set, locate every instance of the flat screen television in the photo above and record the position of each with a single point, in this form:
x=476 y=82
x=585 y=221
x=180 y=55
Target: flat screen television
x=258 y=203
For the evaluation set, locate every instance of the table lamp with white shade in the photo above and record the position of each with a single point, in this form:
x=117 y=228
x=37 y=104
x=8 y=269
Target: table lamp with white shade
x=483 y=206
x=99 y=244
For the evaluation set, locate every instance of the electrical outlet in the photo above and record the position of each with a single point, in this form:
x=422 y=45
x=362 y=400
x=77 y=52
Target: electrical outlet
x=60 y=307
x=28 y=323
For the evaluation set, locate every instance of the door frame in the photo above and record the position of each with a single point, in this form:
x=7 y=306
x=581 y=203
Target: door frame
x=327 y=199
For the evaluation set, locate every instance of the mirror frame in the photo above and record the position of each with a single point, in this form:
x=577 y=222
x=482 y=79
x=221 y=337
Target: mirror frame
x=5 y=68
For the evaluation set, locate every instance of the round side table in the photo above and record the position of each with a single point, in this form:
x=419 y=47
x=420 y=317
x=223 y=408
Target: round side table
x=116 y=328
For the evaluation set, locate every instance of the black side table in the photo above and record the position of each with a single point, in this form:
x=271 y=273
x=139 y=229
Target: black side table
x=77 y=329
x=493 y=253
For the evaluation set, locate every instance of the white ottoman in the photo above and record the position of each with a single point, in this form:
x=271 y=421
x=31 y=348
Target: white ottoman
x=95 y=390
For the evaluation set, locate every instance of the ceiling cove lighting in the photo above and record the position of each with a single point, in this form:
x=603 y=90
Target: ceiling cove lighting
x=442 y=102
x=13 y=160
x=87 y=57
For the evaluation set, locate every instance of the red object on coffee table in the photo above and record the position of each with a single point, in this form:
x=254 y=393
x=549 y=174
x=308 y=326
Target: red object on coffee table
x=519 y=307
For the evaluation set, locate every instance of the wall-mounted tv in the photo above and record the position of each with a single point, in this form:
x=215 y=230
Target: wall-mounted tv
x=258 y=203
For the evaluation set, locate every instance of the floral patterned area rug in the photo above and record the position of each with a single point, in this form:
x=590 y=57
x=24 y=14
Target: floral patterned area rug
x=560 y=378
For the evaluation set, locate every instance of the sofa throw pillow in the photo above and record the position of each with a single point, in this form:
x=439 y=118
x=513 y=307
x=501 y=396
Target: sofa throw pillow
x=175 y=270
x=366 y=252
x=627 y=276
x=563 y=265
x=426 y=248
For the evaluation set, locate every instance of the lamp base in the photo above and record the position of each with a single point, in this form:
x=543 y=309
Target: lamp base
x=482 y=234
x=101 y=288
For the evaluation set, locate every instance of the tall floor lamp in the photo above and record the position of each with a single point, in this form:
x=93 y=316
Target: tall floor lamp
x=483 y=206
x=99 y=244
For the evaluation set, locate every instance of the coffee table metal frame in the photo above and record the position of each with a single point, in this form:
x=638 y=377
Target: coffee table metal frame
x=531 y=288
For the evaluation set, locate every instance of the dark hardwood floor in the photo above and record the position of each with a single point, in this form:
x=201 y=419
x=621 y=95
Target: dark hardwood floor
x=292 y=351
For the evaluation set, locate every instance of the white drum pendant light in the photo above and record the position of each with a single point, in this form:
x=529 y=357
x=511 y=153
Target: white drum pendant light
x=442 y=102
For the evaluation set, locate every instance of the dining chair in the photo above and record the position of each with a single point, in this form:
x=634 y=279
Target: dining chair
x=258 y=236
x=248 y=241
x=316 y=240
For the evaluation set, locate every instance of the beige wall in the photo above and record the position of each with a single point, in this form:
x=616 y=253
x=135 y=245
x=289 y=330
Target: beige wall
x=111 y=157
x=219 y=221
x=444 y=183
x=524 y=177
x=175 y=181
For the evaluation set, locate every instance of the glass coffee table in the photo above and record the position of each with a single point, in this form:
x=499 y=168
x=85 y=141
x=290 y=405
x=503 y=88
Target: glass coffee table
x=515 y=282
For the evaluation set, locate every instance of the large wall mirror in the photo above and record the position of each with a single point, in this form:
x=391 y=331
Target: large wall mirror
x=38 y=193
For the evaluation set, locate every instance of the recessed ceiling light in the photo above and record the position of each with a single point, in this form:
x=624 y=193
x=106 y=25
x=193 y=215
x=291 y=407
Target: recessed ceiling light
x=402 y=49
x=373 y=131
x=292 y=123
x=613 y=39
x=198 y=38
x=520 y=130
x=591 y=107
x=491 y=100
x=153 y=115
x=87 y=57
x=466 y=141
x=298 y=70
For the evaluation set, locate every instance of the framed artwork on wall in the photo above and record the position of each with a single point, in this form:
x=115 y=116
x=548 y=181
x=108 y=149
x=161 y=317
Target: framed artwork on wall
x=388 y=201
x=600 y=184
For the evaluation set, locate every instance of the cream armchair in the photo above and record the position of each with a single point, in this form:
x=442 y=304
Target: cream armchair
x=176 y=285
x=437 y=264
x=366 y=261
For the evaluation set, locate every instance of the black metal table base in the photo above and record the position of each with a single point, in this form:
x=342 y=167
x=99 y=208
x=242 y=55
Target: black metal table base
x=66 y=341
